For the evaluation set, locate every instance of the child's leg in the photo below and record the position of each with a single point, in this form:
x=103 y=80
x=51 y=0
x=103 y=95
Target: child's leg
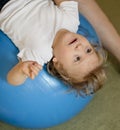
x=104 y=28
x=2 y=3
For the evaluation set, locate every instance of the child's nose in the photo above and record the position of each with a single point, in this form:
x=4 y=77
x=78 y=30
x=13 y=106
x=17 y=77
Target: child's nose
x=78 y=46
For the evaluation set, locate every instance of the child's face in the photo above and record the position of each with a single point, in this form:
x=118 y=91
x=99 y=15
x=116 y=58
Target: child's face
x=75 y=53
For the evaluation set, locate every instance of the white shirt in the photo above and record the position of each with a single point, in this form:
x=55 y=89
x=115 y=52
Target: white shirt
x=32 y=25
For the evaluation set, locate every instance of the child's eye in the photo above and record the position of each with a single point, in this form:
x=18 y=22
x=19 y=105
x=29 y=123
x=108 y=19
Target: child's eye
x=77 y=58
x=89 y=50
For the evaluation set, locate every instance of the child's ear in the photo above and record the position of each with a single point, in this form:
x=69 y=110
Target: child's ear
x=54 y=59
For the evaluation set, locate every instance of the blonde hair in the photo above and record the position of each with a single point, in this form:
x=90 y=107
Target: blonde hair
x=92 y=82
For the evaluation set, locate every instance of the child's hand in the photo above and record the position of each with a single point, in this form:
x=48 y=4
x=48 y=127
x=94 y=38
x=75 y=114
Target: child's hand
x=30 y=68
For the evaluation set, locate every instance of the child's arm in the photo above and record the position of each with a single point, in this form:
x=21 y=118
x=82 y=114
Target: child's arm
x=104 y=28
x=18 y=74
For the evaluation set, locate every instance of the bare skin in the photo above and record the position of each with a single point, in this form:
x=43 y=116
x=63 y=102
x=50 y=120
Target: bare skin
x=75 y=53
x=19 y=73
x=57 y=2
x=104 y=28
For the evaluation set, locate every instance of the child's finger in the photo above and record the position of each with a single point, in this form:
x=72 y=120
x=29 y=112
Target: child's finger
x=37 y=65
x=34 y=71
x=27 y=73
x=32 y=75
x=31 y=69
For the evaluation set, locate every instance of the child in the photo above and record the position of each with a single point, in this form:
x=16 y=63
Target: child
x=44 y=31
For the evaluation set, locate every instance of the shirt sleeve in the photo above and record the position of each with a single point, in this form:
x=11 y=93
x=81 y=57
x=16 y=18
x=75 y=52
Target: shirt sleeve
x=27 y=54
x=70 y=15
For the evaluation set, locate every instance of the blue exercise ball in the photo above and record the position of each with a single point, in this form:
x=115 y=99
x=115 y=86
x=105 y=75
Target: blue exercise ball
x=40 y=103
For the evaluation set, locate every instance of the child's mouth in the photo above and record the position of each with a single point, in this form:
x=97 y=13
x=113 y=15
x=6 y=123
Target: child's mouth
x=73 y=41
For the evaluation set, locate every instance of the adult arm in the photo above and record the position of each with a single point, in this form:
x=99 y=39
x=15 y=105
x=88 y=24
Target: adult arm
x=104 y=28
x=19 y=73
